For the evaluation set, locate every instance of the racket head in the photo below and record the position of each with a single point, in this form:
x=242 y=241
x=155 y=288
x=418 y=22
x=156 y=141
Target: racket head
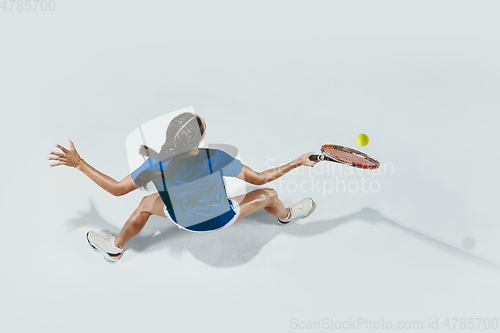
x=349 y=156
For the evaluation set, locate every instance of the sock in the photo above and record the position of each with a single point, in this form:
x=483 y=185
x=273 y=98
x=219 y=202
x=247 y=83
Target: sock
x=113 y=244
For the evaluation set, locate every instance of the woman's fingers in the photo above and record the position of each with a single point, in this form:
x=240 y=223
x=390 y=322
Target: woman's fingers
x=62 y=148
x=55 y=158
x=307 y=161
x=63 y=159
x=57 y=154
x=68 y=156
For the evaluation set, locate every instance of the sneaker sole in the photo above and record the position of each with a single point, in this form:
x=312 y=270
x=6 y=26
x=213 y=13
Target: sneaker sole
x=105 y=254
x=300 y=217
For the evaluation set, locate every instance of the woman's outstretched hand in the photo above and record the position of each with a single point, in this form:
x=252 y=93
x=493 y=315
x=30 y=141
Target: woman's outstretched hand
x=304 y=160
x=68 y=157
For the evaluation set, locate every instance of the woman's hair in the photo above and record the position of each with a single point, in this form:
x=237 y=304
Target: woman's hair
x=184 y=134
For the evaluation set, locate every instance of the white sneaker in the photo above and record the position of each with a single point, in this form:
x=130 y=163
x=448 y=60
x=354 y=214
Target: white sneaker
x=300 y=210
x=103 y=244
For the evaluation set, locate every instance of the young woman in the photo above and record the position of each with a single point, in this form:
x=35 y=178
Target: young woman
x=191 y=190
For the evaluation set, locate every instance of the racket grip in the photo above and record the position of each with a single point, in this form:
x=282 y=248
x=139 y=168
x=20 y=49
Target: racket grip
x=316 y=157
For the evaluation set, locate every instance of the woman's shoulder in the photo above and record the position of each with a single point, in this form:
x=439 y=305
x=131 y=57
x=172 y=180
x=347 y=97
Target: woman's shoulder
x=152 y=160
x=215 y=153
x=221 y=157
x=152 y=163
x=223 y=151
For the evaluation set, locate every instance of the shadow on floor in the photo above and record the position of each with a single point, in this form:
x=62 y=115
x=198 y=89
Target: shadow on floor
x=241 y=242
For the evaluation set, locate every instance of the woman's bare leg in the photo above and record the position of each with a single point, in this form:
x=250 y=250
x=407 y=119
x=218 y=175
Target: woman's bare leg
x=150 y=205
x=266 y=198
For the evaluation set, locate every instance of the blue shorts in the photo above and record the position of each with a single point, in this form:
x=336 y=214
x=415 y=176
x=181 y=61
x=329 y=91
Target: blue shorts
x=217 y=223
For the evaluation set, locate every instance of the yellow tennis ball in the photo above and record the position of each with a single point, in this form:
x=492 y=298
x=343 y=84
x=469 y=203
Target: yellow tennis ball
x=362 y=139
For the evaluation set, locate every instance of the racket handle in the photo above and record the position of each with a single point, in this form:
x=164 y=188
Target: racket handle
x=316 y=157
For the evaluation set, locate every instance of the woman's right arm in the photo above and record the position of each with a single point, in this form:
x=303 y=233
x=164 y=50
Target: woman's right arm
x=71 y=158
x=116 y=188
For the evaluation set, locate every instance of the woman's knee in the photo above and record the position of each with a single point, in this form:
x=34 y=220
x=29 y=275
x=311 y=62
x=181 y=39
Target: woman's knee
x=147 y=203
x=270 y=194
x=152 y=205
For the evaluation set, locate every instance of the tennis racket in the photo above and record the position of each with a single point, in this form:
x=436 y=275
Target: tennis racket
x=344 y=155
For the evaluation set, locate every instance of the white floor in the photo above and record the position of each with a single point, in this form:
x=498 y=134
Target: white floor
x=413 y=243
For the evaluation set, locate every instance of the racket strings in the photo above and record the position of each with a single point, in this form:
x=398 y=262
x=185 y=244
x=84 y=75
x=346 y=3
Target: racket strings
x=350 y=156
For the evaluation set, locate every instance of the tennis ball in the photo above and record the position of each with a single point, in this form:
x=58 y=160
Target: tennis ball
x=362 y=139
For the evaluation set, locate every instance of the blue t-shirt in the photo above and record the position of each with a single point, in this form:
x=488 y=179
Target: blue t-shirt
x=194 y=191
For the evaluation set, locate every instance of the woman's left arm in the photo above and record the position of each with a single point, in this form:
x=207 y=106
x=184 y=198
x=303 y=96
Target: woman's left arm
x=71 y=158
x=264 y=177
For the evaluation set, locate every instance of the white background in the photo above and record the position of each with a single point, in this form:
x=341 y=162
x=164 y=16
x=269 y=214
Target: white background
x=275 y=79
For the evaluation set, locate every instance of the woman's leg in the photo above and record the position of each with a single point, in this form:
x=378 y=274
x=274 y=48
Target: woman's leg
x=266 y=198
x=150 y=205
